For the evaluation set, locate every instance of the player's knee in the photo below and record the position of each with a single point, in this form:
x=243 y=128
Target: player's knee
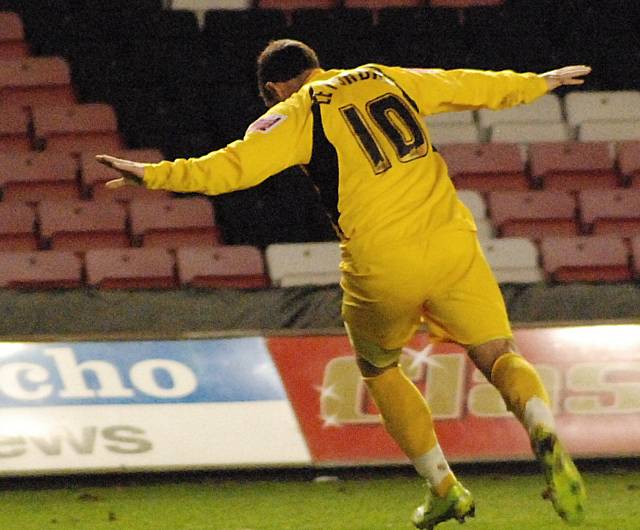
x=485 y=355
x=368 y=369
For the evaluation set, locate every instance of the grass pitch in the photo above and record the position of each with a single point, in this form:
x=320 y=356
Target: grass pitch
x=507 y=497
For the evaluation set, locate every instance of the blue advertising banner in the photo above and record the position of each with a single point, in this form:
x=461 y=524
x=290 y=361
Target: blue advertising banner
x=140 y=372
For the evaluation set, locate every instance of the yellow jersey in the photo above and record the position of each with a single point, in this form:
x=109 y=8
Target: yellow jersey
x=361 y=137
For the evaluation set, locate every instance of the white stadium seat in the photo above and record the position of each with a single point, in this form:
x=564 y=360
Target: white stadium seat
x=526 y=133
x=462 y=117
x=476 y=204
x=609 y=131
x=200 y=7
x=303 y=263
x=454 y=133
x=544 y=109
x=513 y=260
x=602 y=105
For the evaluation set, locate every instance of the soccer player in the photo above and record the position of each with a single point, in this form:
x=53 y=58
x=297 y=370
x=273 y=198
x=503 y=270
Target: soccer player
x=410 y=253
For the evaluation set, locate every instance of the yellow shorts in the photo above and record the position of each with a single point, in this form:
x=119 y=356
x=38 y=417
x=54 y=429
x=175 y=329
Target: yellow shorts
x=444 y=281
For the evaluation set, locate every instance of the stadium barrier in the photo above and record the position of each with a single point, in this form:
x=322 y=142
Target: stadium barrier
x=199 y=403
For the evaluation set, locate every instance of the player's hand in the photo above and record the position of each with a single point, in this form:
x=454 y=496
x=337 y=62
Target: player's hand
x=568 y=75
x=132 y=173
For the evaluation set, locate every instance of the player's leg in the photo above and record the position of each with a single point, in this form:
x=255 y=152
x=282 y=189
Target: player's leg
x=524 y=394
x=407 y=418
x=471 y=311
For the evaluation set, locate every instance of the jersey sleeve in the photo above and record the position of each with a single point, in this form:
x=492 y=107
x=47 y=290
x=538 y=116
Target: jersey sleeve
x=279 y=139
x=436 y=90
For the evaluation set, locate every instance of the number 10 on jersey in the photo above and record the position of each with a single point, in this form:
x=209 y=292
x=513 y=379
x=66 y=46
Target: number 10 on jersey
x=395 y=120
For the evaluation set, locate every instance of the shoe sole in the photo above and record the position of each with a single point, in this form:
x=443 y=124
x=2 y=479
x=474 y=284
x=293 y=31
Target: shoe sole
x=565 y=488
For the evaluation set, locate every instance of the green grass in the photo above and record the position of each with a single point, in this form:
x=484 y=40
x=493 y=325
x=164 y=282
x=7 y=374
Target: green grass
x=361 y=500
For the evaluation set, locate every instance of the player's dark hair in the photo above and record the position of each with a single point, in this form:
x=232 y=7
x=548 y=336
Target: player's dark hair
x=282 y=60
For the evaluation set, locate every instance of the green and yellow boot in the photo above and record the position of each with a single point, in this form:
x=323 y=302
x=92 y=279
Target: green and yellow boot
x=565 y=488
x=457 y=504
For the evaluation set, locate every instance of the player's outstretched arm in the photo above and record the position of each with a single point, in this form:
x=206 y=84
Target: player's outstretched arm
x=567 y=75
x=131 y=172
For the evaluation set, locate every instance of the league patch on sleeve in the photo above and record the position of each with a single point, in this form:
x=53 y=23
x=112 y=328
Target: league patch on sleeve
x=266 y=123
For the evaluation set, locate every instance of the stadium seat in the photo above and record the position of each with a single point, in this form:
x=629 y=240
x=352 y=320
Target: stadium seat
x=289 y=5
x=17 y=227
x=614 y=105
x=486 y=167
x=174 y=223
x=533 y=214
x=12 y=43
x=32 y=177
x=546 y=109
x=465 y=3
x=94 y=175
x=635 y=252
x=463 y=117
x=82 y=225
x=513 y=260
x=528 y=133
x=629 y=162
x=610 y=211
x=223 y=266
x=380 y=4
x=130 y=268
x=35 y=81
x=76 y=128
x=573 y=165
x=292 y=264
x=14 y=130
x=474 y=201
x=40 y=269
x=454 y=133
x=200 y=7
x=585 y=258
x=609 y=131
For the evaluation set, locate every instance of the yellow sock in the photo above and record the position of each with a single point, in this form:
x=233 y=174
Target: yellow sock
x=407 y=418
x=518 y=382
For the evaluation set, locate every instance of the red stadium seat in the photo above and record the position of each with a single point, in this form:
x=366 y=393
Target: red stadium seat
x=76 y=128
x=222 y=266
x=486 y=167
x=130 y=268
x=17 y=227
x=629 y=161
x=585 y=258
x=83 y=225
x=297 y=4
x=533 y=214
x=31 y=81
x=174 y=223
x=381 y=4
x=12 y=43
x=14 y=130
x=94 y=175
x=37 y=176
x=465 y=3
x=573 y=166
x=40 y=269
x=635 y=252
x=611 y=211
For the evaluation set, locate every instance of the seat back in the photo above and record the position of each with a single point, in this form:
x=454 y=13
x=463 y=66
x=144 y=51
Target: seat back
x=586 y=258
x=130 y=268
x=513 y=260
x=40 y=270
x=303 y=263
x=223 y=266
